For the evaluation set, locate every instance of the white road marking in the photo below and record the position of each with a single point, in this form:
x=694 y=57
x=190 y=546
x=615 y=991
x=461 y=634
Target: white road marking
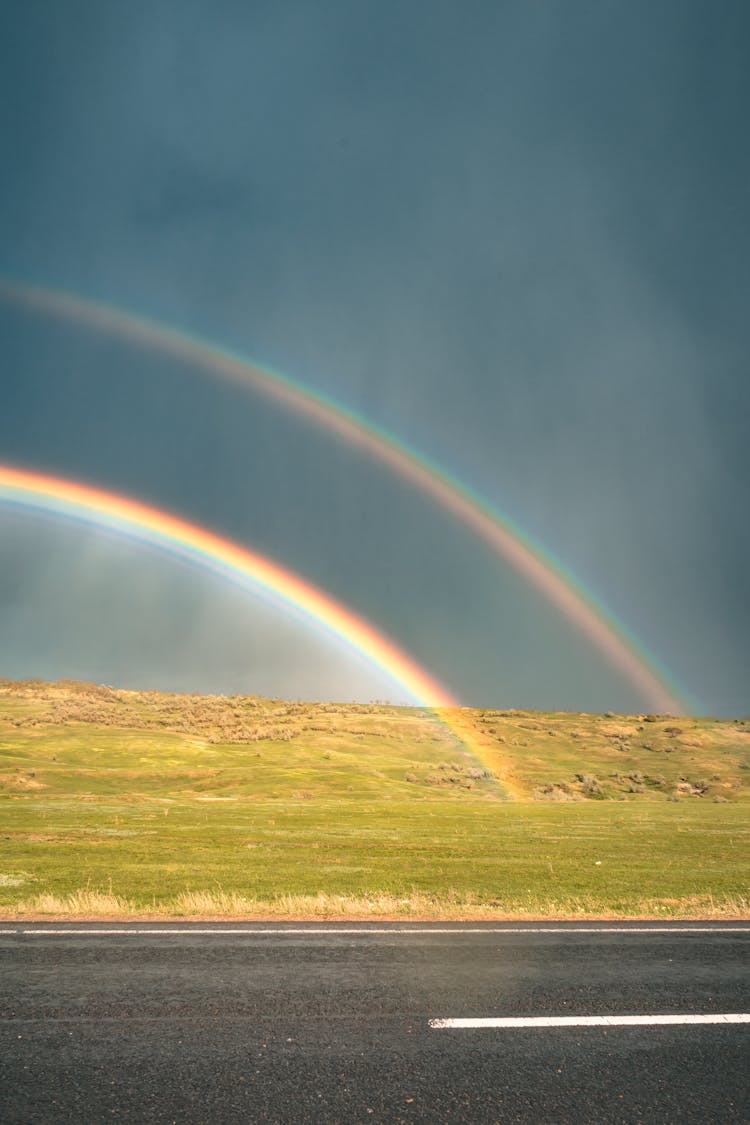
x=589 y=1021
x=334 y=930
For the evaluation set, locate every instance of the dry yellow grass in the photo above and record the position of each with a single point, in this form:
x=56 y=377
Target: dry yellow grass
x=82 y=903
x=220 y=905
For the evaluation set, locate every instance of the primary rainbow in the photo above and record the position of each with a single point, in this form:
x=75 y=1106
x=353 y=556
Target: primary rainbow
x=32 y=490
x=93 y=505
x=507 y=541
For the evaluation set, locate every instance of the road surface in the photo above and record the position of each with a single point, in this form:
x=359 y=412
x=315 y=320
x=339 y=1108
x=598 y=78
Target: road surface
x=242 y=1022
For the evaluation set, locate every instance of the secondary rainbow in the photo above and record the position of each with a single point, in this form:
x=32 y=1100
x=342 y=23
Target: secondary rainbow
x=506 y=540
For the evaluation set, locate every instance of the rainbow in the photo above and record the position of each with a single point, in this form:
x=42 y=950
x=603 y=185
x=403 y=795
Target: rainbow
x=32 y=490
x=506 y=540
x=198 y=545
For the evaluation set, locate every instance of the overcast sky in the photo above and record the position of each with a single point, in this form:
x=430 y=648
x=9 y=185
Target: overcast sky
x=514 y=234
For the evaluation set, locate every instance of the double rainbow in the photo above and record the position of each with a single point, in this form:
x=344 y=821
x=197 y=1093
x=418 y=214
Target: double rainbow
x=507 y=541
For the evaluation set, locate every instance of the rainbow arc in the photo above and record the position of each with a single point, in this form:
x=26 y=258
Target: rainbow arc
x=199 y=545
x=507 y=541
x=32 y=490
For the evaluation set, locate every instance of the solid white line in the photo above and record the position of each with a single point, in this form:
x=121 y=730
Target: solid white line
x=333 y=930
x=589 y=1021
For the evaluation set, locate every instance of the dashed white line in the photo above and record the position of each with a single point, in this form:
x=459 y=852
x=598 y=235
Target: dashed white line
x=589 y=1021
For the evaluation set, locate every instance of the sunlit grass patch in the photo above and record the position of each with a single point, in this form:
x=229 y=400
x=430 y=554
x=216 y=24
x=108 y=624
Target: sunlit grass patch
x=15 y=878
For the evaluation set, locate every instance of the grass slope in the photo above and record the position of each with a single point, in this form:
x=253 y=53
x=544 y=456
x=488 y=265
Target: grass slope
x=120 y=802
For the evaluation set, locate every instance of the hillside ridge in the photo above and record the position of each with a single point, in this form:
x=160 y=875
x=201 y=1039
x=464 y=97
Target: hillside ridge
x=553 y=756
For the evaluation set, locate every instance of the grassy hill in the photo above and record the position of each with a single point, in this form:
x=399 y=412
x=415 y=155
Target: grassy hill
x=121 y=801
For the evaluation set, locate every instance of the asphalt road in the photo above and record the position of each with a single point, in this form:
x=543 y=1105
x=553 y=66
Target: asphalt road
x=331 y=1023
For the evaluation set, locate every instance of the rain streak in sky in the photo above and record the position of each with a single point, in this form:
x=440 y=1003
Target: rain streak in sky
x=512 y=239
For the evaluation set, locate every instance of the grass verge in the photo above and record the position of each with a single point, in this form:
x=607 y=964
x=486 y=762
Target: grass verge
x=219 y=905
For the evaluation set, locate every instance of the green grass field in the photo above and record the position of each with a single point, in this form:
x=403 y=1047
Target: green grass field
x=135 y=803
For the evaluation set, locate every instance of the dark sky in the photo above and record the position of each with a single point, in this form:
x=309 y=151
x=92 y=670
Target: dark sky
x=513 y=234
